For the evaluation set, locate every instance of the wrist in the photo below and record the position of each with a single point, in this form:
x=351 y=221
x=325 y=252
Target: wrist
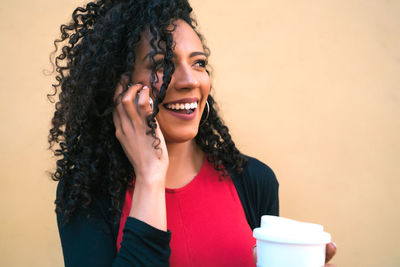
x=148 y=202
x=150 y=181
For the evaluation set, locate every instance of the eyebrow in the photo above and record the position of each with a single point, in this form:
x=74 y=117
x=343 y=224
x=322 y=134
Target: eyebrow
x=193 y=54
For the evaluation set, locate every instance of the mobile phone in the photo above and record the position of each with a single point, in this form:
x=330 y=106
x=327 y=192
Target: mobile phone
x=136 y=100
x=137 y=106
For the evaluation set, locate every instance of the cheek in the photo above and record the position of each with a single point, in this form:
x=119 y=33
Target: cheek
x=206 y=85
x=142 y=76
x=159 y=80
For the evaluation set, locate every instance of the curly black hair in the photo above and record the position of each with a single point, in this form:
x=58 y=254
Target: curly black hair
x=97 y=47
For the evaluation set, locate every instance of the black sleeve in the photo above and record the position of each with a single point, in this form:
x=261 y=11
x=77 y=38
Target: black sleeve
x=257 y=188
x=91 y=242
x=143 y=245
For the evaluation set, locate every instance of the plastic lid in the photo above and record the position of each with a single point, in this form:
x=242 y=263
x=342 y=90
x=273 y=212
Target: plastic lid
x=284 y=230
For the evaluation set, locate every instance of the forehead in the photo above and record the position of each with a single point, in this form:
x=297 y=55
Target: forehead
x=185 y=38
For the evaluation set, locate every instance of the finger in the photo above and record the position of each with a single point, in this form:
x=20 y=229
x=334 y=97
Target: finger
x=330 y=251
x=144 y=102
x=128 y=103
x=255 y=254
x=117 y=100
x=117 y=124
x=120 y=89
x=127 y=114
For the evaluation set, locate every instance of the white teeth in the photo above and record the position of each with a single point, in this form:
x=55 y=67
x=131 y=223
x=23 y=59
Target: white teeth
x=179 y=106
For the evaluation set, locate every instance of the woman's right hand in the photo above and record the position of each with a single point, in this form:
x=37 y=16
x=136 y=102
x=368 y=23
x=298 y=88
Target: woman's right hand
x=150 y=164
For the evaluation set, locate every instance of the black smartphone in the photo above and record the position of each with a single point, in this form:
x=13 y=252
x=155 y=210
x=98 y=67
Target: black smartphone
x=136 y=102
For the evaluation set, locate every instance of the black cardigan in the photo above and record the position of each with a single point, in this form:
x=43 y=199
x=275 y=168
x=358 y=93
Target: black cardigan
x=92 y=241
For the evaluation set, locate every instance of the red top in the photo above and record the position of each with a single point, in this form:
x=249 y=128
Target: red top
x=207 y=222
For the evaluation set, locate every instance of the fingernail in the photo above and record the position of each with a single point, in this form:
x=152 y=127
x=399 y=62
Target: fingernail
x=145 y=87
x=334 y=244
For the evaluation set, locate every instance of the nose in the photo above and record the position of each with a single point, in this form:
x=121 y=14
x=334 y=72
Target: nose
x=184 y=77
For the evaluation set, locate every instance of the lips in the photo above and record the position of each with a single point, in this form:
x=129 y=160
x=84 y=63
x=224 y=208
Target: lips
x=183 y=101
x=183 y=114
x=181 y=106
x=184 y=108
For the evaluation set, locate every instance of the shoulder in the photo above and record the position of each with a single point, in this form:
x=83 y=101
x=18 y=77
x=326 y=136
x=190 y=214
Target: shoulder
x=257 y=188
x=258 y=173
x=256 y=179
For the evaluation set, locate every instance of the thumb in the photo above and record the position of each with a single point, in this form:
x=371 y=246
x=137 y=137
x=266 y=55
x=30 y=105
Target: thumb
x=255 y=254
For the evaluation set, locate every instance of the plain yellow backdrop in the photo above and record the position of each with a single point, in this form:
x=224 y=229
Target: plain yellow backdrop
x=312 y=88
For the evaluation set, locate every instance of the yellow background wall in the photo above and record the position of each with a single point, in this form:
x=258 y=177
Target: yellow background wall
x=312 y=88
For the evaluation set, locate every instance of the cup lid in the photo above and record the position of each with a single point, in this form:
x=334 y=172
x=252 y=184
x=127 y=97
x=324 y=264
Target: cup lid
x=284 y=230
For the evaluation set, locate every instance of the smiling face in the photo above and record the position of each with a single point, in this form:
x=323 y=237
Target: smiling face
x=180 y=113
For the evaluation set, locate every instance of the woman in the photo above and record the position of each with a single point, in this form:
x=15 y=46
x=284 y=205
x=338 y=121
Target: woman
x=148 y=173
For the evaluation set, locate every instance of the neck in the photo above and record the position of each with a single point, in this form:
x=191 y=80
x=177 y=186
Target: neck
x=185 y=161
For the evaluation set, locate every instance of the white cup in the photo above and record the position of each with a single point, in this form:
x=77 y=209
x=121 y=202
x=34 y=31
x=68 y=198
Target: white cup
x=283 y=242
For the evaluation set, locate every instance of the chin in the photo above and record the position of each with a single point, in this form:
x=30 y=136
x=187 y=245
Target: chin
x=179 y=135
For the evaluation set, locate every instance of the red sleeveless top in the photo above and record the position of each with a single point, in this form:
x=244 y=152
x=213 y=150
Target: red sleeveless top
x=207 y=222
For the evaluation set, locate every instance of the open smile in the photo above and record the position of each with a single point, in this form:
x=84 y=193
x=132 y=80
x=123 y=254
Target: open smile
x=183 y=108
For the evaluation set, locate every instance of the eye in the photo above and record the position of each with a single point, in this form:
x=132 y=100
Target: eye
x=201 y=63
